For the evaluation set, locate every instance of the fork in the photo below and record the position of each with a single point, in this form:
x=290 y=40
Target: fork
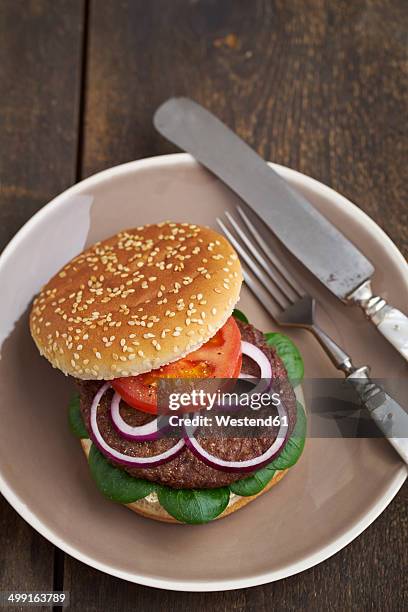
x=290 y=305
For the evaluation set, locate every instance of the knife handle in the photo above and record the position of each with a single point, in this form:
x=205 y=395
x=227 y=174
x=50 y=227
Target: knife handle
x=390 y=322
x=388 y=415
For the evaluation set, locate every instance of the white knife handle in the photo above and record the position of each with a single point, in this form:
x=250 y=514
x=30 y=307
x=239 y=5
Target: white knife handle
x=390 y=322
x=389 y=416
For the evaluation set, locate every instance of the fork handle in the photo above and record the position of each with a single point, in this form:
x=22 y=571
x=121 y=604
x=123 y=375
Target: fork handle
x=390 y=322
x=388 y=415
x=340 y=359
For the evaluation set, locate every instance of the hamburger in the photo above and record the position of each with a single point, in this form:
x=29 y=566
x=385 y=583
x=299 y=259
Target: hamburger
x=148 y=304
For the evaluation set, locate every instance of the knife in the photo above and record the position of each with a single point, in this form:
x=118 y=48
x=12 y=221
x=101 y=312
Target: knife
x=304 y=231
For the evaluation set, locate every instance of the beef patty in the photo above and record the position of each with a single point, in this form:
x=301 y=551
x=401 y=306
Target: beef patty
x=186 y=471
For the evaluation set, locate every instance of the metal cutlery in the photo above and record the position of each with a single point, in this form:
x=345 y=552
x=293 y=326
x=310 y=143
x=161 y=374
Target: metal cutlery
x=290 y=305
x=320 y=246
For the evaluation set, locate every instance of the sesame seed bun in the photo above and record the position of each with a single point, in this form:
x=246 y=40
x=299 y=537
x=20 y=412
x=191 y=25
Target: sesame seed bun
x=150 y=507
x=136 y=301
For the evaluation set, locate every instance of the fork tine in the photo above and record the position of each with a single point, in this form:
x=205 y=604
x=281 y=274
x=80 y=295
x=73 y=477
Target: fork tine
x=277 y=294
x=261 y=294
x=289 y=278
x=280 y=280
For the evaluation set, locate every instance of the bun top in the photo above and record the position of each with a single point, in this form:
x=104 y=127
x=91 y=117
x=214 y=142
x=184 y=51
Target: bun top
x=136 y=301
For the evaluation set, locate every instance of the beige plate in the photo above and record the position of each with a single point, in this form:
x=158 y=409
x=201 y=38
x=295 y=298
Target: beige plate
x=338 y=488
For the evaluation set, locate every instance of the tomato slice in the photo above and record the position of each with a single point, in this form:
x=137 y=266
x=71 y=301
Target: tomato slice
x=220 y=357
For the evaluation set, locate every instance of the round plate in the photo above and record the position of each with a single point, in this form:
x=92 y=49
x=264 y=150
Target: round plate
x=335 y=491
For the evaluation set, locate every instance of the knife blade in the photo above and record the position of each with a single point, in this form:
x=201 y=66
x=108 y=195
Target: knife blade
x=304 y=231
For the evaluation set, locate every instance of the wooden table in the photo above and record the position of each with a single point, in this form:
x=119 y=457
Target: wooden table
x=318 y=86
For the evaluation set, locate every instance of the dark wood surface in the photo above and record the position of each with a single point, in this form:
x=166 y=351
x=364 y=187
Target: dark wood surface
x=40 y=91
x=320 y=86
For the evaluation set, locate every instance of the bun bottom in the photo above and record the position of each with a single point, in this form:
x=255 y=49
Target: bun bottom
x=152 y=509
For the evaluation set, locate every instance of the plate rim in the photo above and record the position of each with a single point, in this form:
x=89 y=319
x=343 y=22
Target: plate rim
x=211 y=585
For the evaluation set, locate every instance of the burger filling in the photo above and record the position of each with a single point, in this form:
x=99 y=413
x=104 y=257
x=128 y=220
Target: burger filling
x=221 y=357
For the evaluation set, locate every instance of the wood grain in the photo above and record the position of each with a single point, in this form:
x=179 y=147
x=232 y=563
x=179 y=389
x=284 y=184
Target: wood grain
x=318 y=86
x=26 y=558
x=40 y=50
x=39 y=101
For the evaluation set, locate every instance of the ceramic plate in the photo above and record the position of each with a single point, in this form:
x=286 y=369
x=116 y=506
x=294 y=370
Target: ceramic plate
x=335 y=491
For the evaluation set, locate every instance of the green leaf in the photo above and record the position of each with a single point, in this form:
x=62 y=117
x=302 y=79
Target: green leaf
x=194 y=506
x=295 y=445
x=237 y=314
x=76 y=422
x=288 y=457
x=115 y=483
x=253 y=484
x=290 y=355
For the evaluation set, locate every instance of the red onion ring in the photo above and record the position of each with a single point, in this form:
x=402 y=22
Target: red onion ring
x=119 y=457
x=142 y=433
x=262 y=361
x=150 y=430
x=248 y=465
